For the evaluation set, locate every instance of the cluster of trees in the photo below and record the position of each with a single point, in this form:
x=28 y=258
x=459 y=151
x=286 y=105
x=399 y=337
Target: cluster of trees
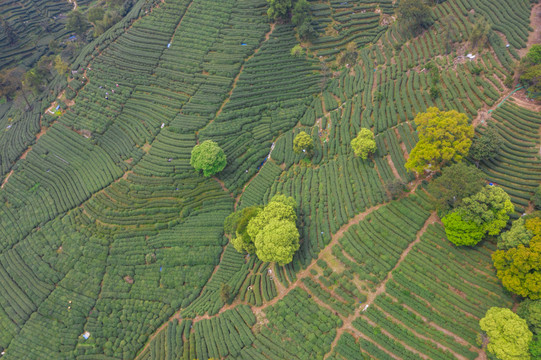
x=530 y=68
x=298 y=11
x=208 y=157
x=270 y=232
x=101 y=17
x=414 y=15
x=17 y=81
x=446 y=137
x=469 y=210
x=513 y=336
x=485 y=212
x=518 y=260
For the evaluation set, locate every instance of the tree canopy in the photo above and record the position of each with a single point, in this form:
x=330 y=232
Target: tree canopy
x=364 y=144
x=530 y=310
x=531 y=69
x=519 y=268
x=444 y=137
x=485 y=212
x=517 y=235
x=415 y=15
x=487 y=145
x=480 y=32
x=277 y=241
x=509 y=336
x=489 y=208
x=456 y=182
x=303 y=143
x=461 y=231
x=77 y=22
x=274 y=231
x=302 y=19
x=279 y=9
x=209 y=157
x=236 y=224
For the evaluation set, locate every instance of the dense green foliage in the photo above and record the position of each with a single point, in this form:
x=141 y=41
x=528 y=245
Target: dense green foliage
x=208 y=157
x=456 y=182
x=485 y=212
x=486 y=146
x=444 y=137
x=364 y=144
x=519 y=268
x=517 y=235
x=279 y=9
x=531 y=70
x=303 y=143
x=415 y=15
x=77 y=22
x=508 y=334
x=530 y=310
x=274 y=232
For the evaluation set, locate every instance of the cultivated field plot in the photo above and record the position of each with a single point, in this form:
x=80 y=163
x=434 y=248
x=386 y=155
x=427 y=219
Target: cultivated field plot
x=107 y=231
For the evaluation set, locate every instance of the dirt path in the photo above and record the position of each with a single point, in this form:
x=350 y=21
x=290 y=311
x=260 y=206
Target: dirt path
x=222 y=185
x=267 y=37
x=347 y=322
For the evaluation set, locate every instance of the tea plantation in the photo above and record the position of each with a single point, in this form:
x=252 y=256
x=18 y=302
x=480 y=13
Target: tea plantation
x=112 y=246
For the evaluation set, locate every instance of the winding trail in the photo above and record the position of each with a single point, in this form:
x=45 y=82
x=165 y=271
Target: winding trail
x=347 y=322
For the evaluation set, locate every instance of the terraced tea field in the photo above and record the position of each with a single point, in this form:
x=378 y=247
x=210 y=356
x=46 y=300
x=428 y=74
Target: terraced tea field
x=107 y=231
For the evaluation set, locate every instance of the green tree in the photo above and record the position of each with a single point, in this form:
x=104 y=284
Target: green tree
x=95 y=14
x=60 y=66
x=10 y=82
x=508 y=334
x=279 y=9
x=236 y=225
x=530 y=69
x=517 y=235
x=530 y=310
x=534 y=54
x=306 y=30
x=444 y=137
x=460 y=231
x=76 y=22
x=297 y=51
x=303 y=143
x=277 y=241
x=480 y=32
x=302 y=19
x=519 y=268
x=274 y=232
x=364 y=144
x=486 y=146
x=482 y=213
x=414 y=15
x=456 y=182
x=209 y=157
x=489 y=208
x=535 y=347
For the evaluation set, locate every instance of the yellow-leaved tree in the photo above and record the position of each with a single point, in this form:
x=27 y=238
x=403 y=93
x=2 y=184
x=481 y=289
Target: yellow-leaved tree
x=444 y=137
